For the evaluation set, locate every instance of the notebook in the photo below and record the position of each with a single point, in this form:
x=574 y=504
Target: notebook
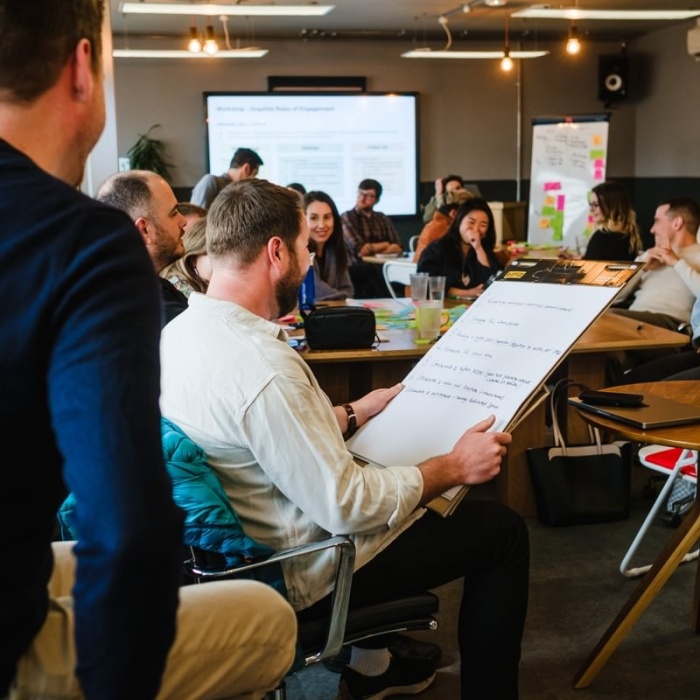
x=657 y=413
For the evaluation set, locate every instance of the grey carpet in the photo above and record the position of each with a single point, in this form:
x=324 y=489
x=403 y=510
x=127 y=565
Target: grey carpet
x=576 y=591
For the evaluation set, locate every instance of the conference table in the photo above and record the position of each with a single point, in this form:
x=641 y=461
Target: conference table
x=683 y=539
x=346 y=375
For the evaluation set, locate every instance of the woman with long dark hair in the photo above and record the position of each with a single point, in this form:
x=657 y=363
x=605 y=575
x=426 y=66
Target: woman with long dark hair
x=326 y=240
x=465 y=254
x=616 y=236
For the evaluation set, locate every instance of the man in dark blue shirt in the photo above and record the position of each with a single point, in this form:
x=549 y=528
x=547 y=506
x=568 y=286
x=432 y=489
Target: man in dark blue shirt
x=79 y=369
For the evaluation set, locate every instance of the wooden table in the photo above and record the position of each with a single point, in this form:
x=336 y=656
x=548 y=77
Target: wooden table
x=688 y=437
x=346 y=375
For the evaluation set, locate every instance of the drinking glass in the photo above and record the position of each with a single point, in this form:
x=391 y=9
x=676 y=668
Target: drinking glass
x=429 y=318
x=419 y=286
x=436 y=285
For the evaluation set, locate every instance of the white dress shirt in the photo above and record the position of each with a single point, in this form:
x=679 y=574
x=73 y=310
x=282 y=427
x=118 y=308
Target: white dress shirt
x=233 y=384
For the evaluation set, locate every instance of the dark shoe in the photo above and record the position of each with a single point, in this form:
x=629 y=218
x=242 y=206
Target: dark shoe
x=405 y=647
x=403 y=677
x=401 y=646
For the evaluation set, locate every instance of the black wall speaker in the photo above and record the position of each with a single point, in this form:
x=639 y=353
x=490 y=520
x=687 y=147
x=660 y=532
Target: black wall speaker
x=613 y=78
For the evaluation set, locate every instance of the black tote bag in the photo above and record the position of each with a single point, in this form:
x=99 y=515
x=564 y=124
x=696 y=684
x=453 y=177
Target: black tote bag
x=583 y=484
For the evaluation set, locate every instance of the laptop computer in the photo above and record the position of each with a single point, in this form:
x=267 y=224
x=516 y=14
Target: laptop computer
x=657 y=412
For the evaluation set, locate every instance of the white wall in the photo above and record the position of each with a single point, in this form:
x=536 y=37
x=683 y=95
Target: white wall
x=468 y=112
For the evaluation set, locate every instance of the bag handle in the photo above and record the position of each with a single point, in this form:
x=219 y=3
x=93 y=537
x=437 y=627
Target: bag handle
x=560 y=390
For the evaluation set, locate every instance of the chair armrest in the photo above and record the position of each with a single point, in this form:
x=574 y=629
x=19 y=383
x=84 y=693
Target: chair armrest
x=345 y=564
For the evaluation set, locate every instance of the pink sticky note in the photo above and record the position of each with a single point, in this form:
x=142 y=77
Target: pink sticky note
x=548 y=186
x=560 y=202
x=598 y=175
x=598 y=163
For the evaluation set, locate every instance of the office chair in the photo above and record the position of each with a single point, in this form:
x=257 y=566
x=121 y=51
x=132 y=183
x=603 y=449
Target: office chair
x=399 y=271
x=674 y=463
x=218 y=547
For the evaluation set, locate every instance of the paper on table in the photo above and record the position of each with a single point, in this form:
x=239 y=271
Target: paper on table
x=495 y=357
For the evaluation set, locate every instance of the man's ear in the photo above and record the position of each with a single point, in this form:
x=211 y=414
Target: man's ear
x=83 y=78
x=276 y=251
x=141 y=224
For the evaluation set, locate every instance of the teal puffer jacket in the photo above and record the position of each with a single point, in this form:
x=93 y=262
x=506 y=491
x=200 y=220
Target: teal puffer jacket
x=211 y=523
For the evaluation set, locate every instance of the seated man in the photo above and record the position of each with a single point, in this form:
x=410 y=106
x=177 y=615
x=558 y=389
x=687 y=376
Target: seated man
x=233 y=384
x=442 y=218
x=150 y=202
x=368 y=232
x=671 y=280
x=244 y=163
x=443 y=185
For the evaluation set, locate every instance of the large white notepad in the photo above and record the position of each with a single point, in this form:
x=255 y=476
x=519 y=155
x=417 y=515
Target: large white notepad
x=494 y=360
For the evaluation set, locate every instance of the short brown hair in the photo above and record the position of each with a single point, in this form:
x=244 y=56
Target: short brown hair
x=687 y=209
x=246 y=214
x=37 y=40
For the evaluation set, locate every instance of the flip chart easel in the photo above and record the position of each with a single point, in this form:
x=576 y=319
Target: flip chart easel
x=494 y=360
x=569 y=157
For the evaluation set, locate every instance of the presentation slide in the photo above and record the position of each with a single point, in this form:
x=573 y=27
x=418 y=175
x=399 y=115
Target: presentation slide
x=326 y=142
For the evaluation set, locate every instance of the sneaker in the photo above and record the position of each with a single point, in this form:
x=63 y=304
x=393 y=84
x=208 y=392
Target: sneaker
x=403 y=677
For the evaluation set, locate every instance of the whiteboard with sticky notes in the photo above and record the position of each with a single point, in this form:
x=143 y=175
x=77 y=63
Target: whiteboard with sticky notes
x=569 y=157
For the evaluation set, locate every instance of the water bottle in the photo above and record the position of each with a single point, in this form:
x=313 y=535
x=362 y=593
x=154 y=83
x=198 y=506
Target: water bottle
x=307 y=291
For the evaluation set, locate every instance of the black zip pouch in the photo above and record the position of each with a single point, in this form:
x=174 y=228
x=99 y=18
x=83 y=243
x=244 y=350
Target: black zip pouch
x=340 y=328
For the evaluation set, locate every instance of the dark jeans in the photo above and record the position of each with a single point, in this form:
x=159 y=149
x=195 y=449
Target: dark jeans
x=484 y=543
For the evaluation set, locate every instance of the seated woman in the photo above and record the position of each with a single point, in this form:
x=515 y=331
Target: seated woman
x=616 y=236
x=191 y=273
x=465 y=254
x=326 y=240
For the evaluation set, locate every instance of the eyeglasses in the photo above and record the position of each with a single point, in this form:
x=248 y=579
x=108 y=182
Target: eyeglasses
x=593 y=205
x=366 y=194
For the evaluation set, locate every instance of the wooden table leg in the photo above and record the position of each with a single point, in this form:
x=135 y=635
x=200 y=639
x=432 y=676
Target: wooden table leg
x=666 y=563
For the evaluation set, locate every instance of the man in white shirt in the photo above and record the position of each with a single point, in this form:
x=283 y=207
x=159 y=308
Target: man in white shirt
x=233 y=384
x=671 y=281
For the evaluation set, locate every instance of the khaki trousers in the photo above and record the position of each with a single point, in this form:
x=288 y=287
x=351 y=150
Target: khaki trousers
x=235 y=639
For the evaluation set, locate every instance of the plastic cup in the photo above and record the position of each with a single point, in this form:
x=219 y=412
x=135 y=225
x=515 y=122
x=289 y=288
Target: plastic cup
x=436 y=287
x=419 y=286
x=429 y=318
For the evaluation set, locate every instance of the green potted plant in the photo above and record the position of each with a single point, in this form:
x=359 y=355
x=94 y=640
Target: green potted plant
x=150 y=154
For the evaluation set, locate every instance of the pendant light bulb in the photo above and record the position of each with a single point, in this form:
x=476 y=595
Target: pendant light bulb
x=210 y=45
x=506 y=62
x=194 y=45
x=573 y=45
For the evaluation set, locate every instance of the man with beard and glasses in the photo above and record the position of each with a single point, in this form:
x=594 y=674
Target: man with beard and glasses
x=231 y=381
x=150 y=202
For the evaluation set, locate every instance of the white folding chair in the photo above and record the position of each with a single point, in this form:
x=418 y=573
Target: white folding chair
x=398 y=271
x=413 y=242
x=675 y=463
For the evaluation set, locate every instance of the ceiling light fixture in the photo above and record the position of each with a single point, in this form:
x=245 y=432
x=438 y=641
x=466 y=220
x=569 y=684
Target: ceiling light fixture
x=576 y=13
x=573 y=44
x=194 y=45
x=428 y=53
x=506 y=61
x=166 y=53
x=210 y=46
x=192 y=8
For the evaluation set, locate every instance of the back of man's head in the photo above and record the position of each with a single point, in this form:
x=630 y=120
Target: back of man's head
x=246 y=156
x=246 y=214
x=38 y=37
x=369 y=184
x=687 y=209
x=128 y=191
